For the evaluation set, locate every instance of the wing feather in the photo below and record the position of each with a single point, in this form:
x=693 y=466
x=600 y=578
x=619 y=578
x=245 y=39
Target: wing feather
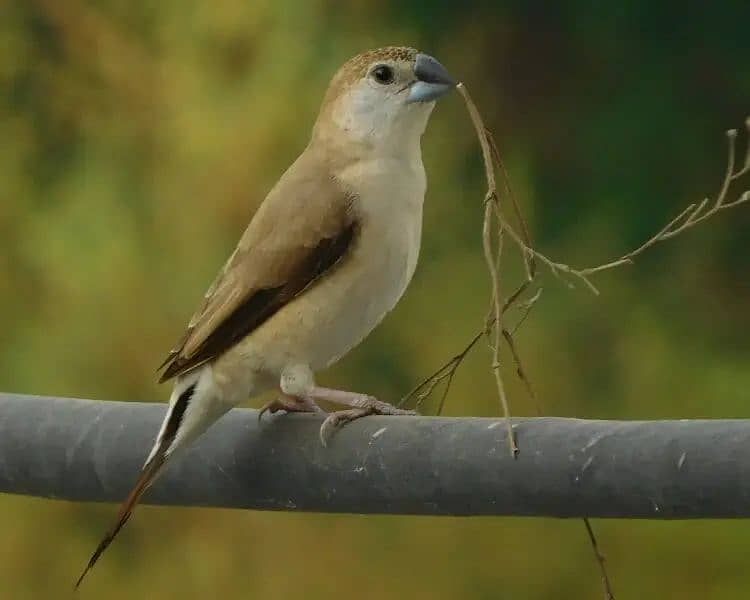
x=302 y=230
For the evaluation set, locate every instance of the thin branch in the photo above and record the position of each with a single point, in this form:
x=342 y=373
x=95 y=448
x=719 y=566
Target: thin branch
x=492 y=245
x=494 y=230
x=525 y=308
x=445 y=372
x=496 y=365
x=686 y=219
x=492 y=257
x=608 y=595
x=495 y=222
x=520 y=371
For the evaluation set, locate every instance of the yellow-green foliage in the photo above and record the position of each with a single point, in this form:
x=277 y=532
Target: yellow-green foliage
x=137 y=138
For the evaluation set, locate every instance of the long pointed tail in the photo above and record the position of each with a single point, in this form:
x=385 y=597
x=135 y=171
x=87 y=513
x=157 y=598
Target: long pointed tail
x=149 y=473
x=163 y=448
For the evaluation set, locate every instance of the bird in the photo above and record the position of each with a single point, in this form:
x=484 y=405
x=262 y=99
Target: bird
x=327 y=255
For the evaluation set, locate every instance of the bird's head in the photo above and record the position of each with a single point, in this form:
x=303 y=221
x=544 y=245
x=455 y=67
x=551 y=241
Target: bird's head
x=380 y=100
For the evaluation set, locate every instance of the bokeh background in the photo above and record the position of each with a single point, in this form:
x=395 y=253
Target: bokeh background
x=137 y=138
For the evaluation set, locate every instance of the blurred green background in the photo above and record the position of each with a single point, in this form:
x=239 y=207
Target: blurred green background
x=138 y=138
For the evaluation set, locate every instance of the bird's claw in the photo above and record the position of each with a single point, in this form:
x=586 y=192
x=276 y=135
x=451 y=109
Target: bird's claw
x=289 y=404
x=338 y=419
x=271 y=406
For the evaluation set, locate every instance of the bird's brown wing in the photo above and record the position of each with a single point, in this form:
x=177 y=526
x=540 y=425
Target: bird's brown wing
x=301 y=231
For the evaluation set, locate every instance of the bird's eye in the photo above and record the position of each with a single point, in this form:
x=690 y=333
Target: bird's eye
x=383 y=74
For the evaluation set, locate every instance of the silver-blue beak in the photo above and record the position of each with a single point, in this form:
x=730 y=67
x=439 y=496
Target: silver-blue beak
x=432 y=82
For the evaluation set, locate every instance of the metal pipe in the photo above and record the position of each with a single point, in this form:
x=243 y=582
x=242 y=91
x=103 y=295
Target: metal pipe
x=85 y=450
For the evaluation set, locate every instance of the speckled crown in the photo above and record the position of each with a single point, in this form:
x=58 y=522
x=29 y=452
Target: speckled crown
x=356 y=68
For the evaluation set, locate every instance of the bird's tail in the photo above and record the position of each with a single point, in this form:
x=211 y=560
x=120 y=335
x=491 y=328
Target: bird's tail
x=193 y=406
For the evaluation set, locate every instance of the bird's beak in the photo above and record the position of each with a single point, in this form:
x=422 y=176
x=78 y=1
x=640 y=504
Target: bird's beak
x=432 y=81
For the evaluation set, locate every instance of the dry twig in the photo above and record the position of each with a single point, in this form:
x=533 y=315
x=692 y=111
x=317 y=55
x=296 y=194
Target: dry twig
x=601 y=560
x=494 y=324
x=686 y=219
x=494 y=230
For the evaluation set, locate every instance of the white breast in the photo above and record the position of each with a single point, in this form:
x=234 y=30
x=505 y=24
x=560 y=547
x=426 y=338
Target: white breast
x=340 y=310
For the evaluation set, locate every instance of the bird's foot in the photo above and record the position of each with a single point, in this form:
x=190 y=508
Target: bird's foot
x=361 y=406
x=290 y=404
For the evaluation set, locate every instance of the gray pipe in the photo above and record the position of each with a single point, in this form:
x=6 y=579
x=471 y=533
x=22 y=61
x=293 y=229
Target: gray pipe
x=92 y=451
